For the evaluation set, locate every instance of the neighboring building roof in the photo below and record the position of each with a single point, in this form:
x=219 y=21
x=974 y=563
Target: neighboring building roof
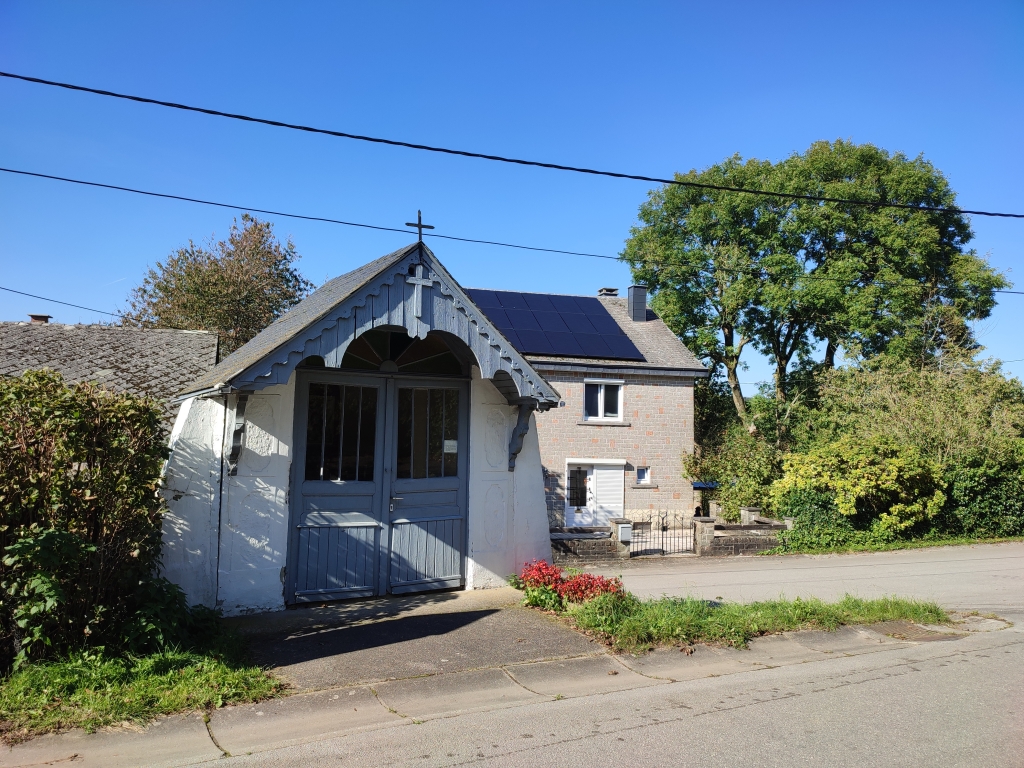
x=661 y=348
x=305 y=313
x=150 y=361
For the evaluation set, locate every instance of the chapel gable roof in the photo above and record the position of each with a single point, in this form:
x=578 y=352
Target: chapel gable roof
x=307 y=312
x=408 y=288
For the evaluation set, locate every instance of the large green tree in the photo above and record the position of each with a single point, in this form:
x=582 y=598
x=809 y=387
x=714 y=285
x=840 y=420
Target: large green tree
x=235 y=287
x=730 y=269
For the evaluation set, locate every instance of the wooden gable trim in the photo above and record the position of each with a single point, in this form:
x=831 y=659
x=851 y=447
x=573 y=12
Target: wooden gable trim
x=427 y=300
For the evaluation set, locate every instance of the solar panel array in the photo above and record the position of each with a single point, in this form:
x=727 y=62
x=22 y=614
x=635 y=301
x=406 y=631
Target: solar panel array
x=560 y=326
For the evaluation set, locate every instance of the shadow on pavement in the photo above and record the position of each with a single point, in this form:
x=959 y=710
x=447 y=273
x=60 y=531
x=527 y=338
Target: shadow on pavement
x=398 y=637
x=371 y=635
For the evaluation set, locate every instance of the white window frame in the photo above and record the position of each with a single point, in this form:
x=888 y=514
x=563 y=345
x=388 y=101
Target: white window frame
x=620 y=383
x=647 y=476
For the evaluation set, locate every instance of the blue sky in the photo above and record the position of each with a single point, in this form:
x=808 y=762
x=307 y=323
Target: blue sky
x=648 y=88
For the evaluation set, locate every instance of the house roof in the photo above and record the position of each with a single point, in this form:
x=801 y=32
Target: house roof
x=409 y=288
x=153 y=362
x=314 y=307
x=660 y=348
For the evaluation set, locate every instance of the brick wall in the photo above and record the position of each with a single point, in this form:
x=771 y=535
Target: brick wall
x=659 y=410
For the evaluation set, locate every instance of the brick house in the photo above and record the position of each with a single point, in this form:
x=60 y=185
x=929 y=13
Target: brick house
x=614 y=445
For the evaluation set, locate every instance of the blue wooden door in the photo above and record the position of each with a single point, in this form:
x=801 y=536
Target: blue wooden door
x=380 y=469
x=338 y=470
x=429 y=440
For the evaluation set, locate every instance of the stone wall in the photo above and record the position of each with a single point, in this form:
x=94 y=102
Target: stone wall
x=575 y=551
x=656 y=432
x=714 y=539
x=739 y=544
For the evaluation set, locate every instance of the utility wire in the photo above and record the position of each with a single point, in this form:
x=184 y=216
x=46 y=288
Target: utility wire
x=684 y=267
x=293 y=215
x=57 y=301
x=500 y=158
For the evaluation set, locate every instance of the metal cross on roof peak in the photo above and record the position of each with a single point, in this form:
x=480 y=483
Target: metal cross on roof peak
x=420 y=226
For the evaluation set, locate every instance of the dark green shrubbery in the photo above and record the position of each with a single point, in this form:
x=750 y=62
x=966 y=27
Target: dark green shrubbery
x=80 y=523
x=885 y=453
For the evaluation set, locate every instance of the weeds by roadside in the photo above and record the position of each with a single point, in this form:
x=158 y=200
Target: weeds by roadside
x=602 y=607
x=630 y=624
x=791 y=548
x=90 y=690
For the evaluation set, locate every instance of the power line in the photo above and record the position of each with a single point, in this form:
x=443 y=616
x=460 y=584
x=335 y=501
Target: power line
x=293 y=215
x=500 y=158
x=692 y=268
x=57 y=301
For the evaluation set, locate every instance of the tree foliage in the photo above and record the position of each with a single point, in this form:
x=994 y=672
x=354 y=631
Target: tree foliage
x=80 y=521
x=886 y=439
x=729 y=270
x=235 y=287
x=888 y=483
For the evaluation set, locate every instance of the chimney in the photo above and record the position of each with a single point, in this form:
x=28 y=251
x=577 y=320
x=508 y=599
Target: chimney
x=607 y=291
x=39 y=319
x=638 y=303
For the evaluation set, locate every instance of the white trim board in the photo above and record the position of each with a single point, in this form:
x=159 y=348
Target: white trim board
x=615 y=462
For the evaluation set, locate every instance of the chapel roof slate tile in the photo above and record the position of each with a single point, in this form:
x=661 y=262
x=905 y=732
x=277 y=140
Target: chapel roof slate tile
x=306 y=312
x=155 y=362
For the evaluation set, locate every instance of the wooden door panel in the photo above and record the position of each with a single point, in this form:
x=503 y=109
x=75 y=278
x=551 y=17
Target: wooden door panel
x=426 y=554
x=428 y=494
x=336 y=561
x=337 y=518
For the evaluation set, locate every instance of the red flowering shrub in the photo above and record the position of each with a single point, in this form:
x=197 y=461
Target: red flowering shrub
x=586 y=586
x=547 y=585
x=540 y=574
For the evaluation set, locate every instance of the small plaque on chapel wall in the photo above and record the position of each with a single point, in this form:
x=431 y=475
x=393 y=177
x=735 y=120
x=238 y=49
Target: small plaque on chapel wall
x=451 y=446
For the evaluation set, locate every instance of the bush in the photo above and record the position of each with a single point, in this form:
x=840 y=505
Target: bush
x=888 y=484
x=80 y=522
x=820 y=526
x=985 y=500
x=743 y=465
x=548 y=587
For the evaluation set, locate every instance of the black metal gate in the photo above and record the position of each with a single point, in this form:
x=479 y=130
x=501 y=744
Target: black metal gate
x=660 y=533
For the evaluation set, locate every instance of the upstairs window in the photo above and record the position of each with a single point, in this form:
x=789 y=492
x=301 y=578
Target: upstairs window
x=602 y=400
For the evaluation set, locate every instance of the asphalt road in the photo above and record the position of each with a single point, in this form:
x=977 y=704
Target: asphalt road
x=896 y=696
x=945 y=703
x=985 y=577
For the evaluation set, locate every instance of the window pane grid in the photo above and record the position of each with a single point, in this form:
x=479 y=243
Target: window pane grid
x=601 y=401
x=341 y=432
x=428 y=427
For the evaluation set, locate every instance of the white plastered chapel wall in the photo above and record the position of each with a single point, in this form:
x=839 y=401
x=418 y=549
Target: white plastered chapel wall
x=254 y=516
x=191 y=488
x=507 y=517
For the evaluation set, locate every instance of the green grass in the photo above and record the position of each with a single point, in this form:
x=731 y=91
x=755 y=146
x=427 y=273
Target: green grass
x=950 y=541
x=90 y=691
x=631 y=624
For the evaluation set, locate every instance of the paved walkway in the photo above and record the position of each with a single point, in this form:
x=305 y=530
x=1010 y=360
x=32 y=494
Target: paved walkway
x=378 y=665
x=402 y=637
x=310 y=717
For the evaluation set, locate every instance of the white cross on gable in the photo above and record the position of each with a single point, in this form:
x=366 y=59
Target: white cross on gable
x=418 y=281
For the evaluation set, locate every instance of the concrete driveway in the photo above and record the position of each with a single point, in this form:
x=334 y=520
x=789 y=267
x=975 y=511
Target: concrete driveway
x=367 y=641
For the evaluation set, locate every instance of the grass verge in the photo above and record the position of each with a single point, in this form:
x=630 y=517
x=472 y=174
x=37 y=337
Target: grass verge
x=952 y=541
x=90 y=691
x=631 y=624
